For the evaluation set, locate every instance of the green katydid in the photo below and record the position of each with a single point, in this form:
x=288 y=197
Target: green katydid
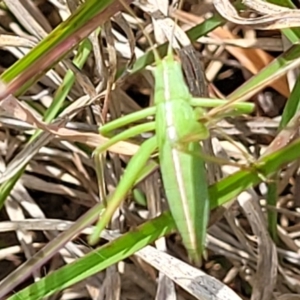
x=183 y=172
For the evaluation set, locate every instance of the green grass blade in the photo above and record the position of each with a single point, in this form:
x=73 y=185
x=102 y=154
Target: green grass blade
x=228 y=188
x=278 y=67
x=60 y=41
x=99 y=259
x=292 y=106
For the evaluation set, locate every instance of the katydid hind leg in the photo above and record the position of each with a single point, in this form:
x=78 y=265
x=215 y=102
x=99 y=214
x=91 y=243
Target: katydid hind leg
x=128 y=180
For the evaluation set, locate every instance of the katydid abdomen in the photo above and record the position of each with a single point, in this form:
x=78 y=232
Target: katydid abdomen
x=183 y=172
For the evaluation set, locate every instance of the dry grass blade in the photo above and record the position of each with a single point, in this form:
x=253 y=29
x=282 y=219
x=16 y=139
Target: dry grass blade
x=266 y=274
x=111 y=287
x=30 y=17
x=194 y=281
x=286 y=135
x=121 y=21
x=7 y=40
x=166 y=288
x=275 y=17
x=264 y=7
x=83 y=80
